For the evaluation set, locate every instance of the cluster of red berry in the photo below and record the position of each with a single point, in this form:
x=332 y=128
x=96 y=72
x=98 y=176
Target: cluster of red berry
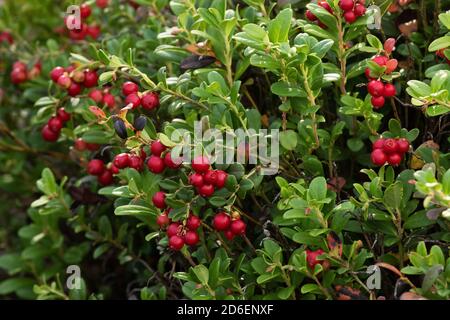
x=311 y=17
x=74 y=80
x=352 y=9
x=93 y=30
x=20 y=72
x=97 y=167
x=156 y=163
x=180 y=234
x=377 y=89
x=231 y=226
x=204 y=179
x=7 y=37
x=51 y=131
x=148 y=100
x=389 y=150
x=125 y=160
x=103 y=97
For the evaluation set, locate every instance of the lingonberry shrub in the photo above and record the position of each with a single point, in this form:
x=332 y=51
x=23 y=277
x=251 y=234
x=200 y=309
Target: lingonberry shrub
x=361 y=178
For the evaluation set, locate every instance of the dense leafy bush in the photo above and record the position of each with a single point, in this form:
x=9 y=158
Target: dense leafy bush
x=94 y=122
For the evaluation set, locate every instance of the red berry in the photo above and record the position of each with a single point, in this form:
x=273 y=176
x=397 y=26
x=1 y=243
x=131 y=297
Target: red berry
x=79 y=34
x=311 y=257
x=106 y=178
x=56 y=73
x=157 y=148
x=389 y=45
x=102 y=3
x=210 y=177
x=49 y=135
x=162 y=220
x=206 y=190
x=109 y=100
x=346 y=5
x=159 y=200
x=19 y=65
x=92 y=146
x=375 y=88
x=90 y=79
x=94 y=31
x=55 y=124
x=18 y=76
x=378 y=144
x=389 y=90
x=221 y=178
x=150 y=101
x=221 y=221
x=155 y=164
x=70 y=69
x=326 y=6
x=7 y=37
x=359 y=10
x=96 y=95
x=64 y=81
x=378 y=157
x=380 y=60
x=95 y=167
x=169 y=162
x=193 y=222
x=390 y=146
x=136 y=163
x=63 y=115
x=122 y=160
x=196 y=179
x=238 y=227
x=129 y=88
x=402 y=145
x=176 y=242
x=391 y=65
x=394 y=159
x=191 y=238
x=77 y=76
x=80 y=144
x=134 y=100
x=200 y=164
x=85 y=10
x=368 y=74
x=74 y=89
x=229 y=234
x=114 y=169
x=173 y=229
x=310 y=16
x=377 y=102
x=350 y=16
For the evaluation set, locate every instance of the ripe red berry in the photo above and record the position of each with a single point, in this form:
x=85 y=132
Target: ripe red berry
x=92 y=146
x=157 y=148
x=80 y=144
x=94 y=31
x=155 y=164
x=129 y=88
x=390 y=146
x=210 y=177
x=173 y=229
x=238 y=227
x=359 y=10
x=389 y=45
x=136 y=163
x=55 y=124
x=79 y=34
x=375 y=88
x=380 y=60
x=70 y=69
x=106 y=178
x=159 y=200
x=193 y=222
x=391 y=65
x=64 y=81
x=312 y=257
x=346 y=5
x=63 y=115
x=310 y=16
x=163 y=220
x=133 y=99
x=18 y=76
x=200 y=164
x=402 y=145
x=49 y=135
x=378 y=144
x=377 y=102
x=191 y=238
x=109 y=100
x=394 y=159
x=350 y=16
x=56 y=73
x=221 y=221
x=102 y=3
x=114 y=169
x=196 y=179
x=85 y=10
x=368 y=74
x=326 y=6
x=169 y=162
x=74 y=89
x=229 y=234
x=90 y=79
x=96 y=95
x=150 y=100
x=221 y=178
x=176 y=242
x=378 y=157
x=206 y=190
x=95 y=167
x=389 y=90
x=122 y=160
